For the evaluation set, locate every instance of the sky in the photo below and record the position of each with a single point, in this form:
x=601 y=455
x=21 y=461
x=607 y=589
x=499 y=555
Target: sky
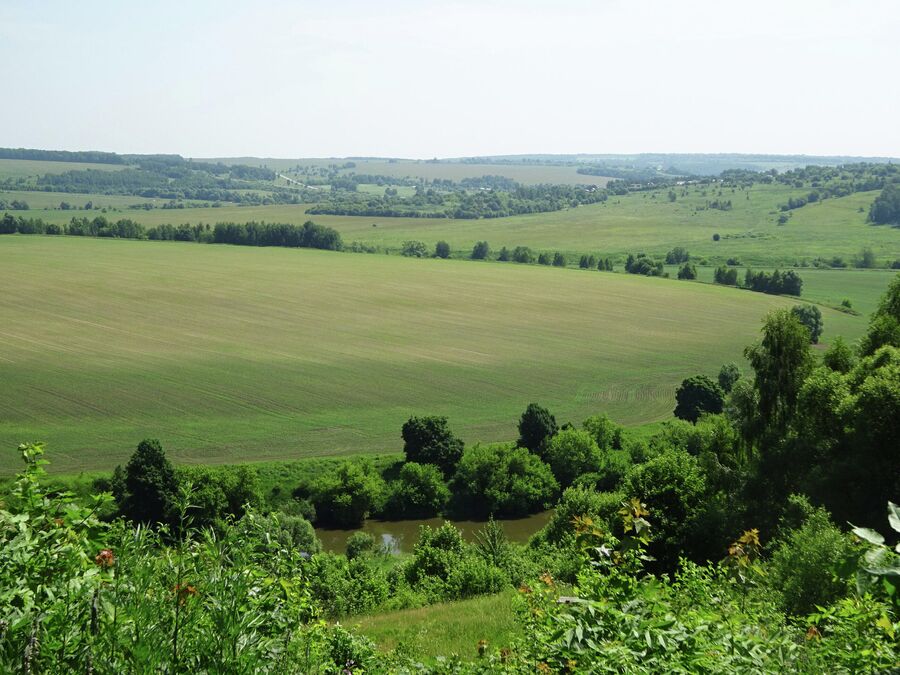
x=422 y=79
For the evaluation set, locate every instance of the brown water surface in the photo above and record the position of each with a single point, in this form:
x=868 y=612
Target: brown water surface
x=399 y=536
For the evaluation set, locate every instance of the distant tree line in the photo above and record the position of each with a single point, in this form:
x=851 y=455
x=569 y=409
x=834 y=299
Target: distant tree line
x=83 y=156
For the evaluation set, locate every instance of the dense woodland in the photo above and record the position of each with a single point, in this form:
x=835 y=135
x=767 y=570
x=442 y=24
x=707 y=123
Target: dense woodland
x=722 y=543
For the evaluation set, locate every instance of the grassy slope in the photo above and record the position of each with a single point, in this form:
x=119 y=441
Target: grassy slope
x=446 y=628
x=19 y=168
x=235 y=354
x=635 y=222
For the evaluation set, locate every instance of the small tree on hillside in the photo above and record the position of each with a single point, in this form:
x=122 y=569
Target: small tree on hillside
x=698 y=395
x=481 y=251
x=442 y=250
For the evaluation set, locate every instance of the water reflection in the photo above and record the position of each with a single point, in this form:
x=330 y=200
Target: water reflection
x=399 y=536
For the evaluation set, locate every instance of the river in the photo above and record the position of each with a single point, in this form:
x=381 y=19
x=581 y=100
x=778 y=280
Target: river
x=399 y=536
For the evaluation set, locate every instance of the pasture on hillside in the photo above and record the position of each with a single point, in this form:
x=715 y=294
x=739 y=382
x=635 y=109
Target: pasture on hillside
x=31 y=168
x=636 y=222
x=231 y=354
x=527 y=174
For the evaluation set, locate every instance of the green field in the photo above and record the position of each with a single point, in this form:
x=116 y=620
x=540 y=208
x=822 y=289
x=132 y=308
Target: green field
x=635 y=222
x=232 y=354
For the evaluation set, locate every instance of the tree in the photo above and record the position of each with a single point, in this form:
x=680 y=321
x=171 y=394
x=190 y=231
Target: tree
x=559 y=260
x=571 y=453
x=418 y=492
x=728 y=375
x=698 y=395
x=481 y=251
x=150 y=485
x=687 y=271
x=781 y=362
x=442 y=250
x=866 y=258
x=428 y=440
x=544 y=259
x=811 y=317
x=536 y=427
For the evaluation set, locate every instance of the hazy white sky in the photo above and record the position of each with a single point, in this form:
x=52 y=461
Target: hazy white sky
x=451 y=78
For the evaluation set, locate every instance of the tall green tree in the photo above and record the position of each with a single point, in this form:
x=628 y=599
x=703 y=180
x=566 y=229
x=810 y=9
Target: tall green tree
x=150 y=485
x=536 y=427
x=781 y=361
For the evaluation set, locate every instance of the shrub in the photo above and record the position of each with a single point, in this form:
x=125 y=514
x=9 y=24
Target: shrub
x=805 y=560
x=442 y=250
x=346 y=496
x=414 y=249
x=687 y=271
x=359 y=543
x=728 y=375
x=481 y=251
x=839 y=356
x=418 y=492
x=571 y=453
x=523 y=254
x=577 y=501
x=293 y=532
x=605 y=432
x=677 y=256
x=502 y=480
x=673 y=486
x=428 y=440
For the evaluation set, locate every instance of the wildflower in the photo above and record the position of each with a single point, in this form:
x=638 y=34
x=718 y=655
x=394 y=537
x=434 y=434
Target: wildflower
x=524 y=588
x=544 y=668
x=184 y=591
x=546 y=578
x=105 y=559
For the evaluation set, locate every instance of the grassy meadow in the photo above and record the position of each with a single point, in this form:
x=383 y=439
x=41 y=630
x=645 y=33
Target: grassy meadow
x=231 y=354
x=643 y=221
x=445 y=628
